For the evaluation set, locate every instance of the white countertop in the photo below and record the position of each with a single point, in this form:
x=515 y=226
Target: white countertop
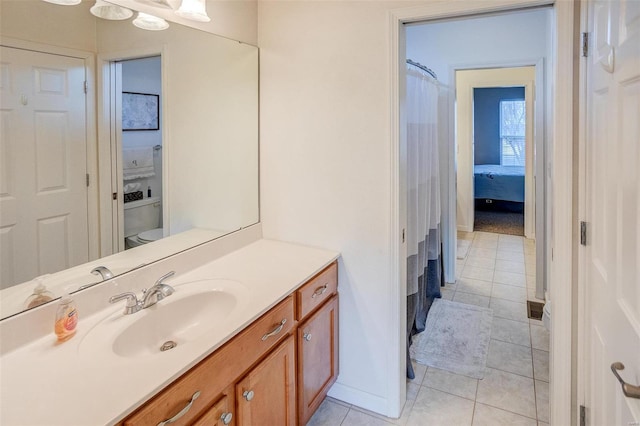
x=44 y=383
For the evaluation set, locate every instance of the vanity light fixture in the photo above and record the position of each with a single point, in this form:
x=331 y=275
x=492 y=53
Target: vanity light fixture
x=64 y=2
x=105 y=10
x=194 y=10
x=150 y=22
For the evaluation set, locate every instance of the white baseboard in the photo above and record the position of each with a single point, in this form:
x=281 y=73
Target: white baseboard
x=464 y=228
x=361 y=399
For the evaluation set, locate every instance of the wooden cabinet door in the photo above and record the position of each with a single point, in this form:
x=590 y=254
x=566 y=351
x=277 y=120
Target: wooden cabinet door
x=317 y=358
x=266 y=396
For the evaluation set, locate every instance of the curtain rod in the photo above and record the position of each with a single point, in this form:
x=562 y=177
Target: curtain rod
x=423 y=68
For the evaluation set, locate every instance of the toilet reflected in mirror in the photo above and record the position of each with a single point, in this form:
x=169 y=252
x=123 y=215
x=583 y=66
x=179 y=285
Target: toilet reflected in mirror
x=142 y=222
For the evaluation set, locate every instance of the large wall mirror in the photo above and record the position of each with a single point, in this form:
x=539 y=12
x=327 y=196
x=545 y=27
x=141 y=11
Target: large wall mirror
x=156 y=153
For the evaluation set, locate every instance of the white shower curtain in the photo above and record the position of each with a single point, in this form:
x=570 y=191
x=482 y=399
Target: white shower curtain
x=424 y=255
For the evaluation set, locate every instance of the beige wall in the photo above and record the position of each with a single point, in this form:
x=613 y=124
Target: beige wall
x=325 y=163
x=41 y=22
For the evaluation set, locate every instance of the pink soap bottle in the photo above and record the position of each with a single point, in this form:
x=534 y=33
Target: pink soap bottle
x=66 y=318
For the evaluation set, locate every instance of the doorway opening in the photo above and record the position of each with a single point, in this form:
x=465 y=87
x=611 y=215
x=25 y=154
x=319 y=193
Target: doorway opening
x=498 y=273
x=138 y=146
x=499 y=159
x=495 y=122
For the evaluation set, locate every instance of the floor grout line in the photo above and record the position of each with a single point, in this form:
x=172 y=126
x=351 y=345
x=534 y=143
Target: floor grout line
x=449 y=393
x=509 y=411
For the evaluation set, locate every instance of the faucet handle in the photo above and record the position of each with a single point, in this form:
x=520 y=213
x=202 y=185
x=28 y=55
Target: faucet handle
x=164 y=277
x=132 y=305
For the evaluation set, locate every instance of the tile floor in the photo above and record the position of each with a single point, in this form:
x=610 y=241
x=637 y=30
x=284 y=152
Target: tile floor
x=498 y=272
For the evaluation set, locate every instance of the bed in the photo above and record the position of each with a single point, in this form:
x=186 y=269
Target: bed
x=495 y=182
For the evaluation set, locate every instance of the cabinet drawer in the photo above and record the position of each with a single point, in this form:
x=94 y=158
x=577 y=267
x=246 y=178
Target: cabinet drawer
x=221 y=413
x=316 y=291
x=214 y=374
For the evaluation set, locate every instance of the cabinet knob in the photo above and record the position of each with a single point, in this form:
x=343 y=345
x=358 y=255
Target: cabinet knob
x=226 y=418
x=248 y=395
x=307 y=337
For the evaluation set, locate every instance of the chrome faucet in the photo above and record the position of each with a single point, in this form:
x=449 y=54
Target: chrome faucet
x=150 y=297
x=158 y=292
x=102 y=271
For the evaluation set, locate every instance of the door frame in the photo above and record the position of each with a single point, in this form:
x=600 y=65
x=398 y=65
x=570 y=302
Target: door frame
x=93 y=212
x=110 y=145
x=563 y=409
x=542 y=137
x=533 y=140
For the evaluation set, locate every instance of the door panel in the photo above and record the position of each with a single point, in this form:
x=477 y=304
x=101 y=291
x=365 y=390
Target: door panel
x=273 y=391
x=317 y=358
x=612 y=200
x=43 y=199
x=52 y=151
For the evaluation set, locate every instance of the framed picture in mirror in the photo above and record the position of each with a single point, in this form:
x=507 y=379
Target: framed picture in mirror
x=140 y=111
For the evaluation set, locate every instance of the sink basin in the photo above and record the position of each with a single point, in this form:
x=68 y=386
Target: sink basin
x=181 y=321
x=196 y=309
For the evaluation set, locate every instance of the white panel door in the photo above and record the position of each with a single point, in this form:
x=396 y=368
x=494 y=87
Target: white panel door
x=43 y=193
x=612 y=202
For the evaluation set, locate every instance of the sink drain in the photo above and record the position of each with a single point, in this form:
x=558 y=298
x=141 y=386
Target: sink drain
x=169 y=344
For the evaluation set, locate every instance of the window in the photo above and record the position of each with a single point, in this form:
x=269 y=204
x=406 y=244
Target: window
x=512 y=127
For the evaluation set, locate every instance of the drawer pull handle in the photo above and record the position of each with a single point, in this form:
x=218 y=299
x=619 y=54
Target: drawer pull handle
x=248 y=395
x=226 y=418
x=275 y=331
x=182 y=412
x=319 y=291
x=307 y=337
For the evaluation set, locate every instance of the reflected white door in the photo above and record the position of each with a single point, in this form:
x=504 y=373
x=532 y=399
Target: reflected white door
x=612 y=203
x=43 y=191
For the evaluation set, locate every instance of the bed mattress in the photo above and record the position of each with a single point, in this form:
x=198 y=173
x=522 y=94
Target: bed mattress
x=496 y=182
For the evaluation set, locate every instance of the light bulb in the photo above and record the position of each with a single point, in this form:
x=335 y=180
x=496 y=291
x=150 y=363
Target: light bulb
x=194 y=10
x=105 y=10
x=64 y=2
x=150 y=22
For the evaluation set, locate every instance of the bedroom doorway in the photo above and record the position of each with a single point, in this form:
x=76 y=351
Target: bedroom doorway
x=495 y=154
x=499 y=130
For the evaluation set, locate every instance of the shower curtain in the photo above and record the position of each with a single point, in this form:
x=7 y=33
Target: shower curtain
x=424 y=254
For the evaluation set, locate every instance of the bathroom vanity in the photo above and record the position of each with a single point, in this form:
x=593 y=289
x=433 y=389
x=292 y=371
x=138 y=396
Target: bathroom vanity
x=287 y=358
x=255 y=327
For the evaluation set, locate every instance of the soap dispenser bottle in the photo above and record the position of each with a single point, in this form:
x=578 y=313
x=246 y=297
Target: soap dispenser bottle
x=66 y=318
x=40 y=295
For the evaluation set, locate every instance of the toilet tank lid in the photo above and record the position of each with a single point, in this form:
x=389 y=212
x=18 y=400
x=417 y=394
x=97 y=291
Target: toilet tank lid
x=143 y=202
x=151 y=235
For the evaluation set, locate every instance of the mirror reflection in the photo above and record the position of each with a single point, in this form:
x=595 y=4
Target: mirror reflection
x=155 y=153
